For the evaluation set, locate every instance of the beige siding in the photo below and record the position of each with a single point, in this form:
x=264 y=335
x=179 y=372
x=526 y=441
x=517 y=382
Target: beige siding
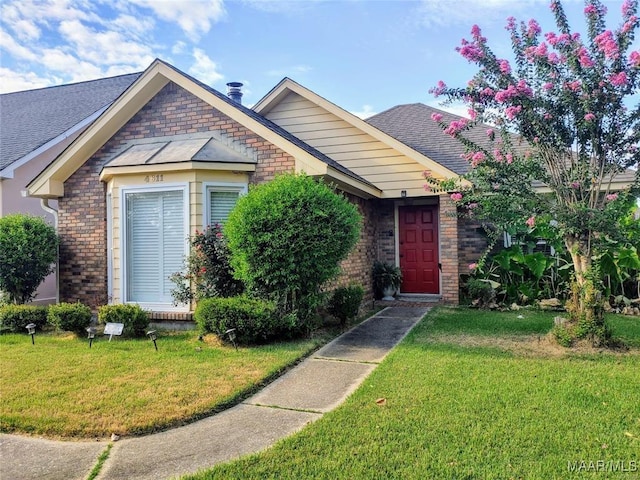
x=385 y=167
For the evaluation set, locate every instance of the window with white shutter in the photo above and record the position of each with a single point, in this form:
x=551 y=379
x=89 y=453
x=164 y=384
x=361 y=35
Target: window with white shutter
x=221 y=198
x=155 y=244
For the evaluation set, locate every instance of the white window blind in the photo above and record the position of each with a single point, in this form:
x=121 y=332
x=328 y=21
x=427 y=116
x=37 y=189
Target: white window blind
x=155 y=244
x=221 y=202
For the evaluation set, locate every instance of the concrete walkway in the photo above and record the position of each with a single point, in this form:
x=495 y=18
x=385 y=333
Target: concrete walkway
x=315 y=386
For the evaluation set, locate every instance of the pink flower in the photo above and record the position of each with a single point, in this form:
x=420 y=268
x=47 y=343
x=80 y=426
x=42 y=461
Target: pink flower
x=534 y=29
x=590 y=10
x=618 y=79
x=511 y=24
x=473 y=266
x=504 y=67
x=438 y=89
x=611 y=197
x=505 y=95
x=490 y=133
x=427 y=187
x=456 y=197
x=575 y=185
x=512 y=111
x=547 y=86
x=627 y=8
x=477 y=158
x=477 y=33
x=634 y=59
x=456 y=127
x=547 y=116
x=607 y=44
x=436 y=117
x=509 y=157
x=472 y=114
x=471 y=52
x=487 y=92
x=531 y=222
x=589 y=117
x=573 y=86
x=427 y=174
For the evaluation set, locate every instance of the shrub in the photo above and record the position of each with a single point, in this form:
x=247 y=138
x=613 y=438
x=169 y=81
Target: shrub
x=345 y=302
x=255 y=320
x=207 y=270
x=134 y=318
x=70 y=317
x=28 y=251
x=288 y=237
x=15 y=318
x=385 y=276
x=481 y=292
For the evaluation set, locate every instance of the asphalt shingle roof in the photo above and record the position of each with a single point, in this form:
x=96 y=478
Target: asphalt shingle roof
x=31 y=118
x=412 y=125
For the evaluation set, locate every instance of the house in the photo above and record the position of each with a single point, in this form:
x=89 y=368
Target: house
x=35 y=126
x=171 y=155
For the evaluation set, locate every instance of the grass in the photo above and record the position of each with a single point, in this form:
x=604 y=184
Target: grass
x=61 y=388
x=455 y=410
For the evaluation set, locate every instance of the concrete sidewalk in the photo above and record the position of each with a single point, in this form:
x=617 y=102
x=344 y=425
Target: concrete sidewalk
x=315 y=386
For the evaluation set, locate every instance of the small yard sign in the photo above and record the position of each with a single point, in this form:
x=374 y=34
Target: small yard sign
x=112 y=329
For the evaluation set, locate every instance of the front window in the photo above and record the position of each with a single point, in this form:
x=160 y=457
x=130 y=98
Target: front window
x=155 y=233
x=220 y=200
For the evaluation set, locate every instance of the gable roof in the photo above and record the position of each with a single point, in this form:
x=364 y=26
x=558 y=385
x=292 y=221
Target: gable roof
x=49 y=183
x=30 y=119
x=360 y=146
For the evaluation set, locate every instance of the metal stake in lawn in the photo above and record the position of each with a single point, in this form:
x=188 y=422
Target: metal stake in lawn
x=231 y=333
x=153 y=336
x=91 y=332
x=31 y=328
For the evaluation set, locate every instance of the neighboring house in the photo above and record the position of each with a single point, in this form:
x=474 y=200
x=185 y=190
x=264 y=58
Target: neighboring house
x=35 y=126
x=171 y=155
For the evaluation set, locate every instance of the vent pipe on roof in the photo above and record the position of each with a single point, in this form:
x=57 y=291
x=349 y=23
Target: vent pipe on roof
x=234 y=91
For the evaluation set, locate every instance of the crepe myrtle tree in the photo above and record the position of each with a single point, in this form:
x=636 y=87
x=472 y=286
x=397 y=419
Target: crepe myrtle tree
x=562 y=123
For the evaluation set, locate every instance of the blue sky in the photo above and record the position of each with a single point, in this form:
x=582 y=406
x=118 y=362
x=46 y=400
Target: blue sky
x=364 y=55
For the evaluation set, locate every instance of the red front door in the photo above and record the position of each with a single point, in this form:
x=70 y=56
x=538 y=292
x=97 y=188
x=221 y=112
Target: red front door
x=419 y=249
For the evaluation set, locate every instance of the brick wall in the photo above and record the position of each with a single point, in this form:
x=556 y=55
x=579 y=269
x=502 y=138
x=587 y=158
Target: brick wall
x=449 y=250
x=173 y=111
x=472 y=243
x=356 y=268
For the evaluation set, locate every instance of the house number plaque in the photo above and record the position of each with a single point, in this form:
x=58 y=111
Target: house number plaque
x=154 y=178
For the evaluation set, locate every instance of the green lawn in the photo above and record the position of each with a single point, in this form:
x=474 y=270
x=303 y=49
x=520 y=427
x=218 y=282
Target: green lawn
x=61 y=388
x=456 y=410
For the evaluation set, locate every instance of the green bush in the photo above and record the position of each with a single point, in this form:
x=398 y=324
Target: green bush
x=481 y=292
x=344 y=303
x=15 y=318
x=207 y=270
x=70 y=317
x=288 y=237
x=28 y=251
x=134 y=318
x=255 y=320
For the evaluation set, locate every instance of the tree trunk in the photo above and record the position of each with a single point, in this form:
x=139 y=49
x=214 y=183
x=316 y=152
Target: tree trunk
x=586 y=306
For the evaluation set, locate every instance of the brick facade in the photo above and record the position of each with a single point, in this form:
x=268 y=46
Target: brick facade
x=82 y=211
x=174 y=111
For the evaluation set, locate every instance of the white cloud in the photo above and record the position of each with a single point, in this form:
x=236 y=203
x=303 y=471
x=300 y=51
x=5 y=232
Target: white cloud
x=104 y=47
x=204 y=69
x=179 y=47
x=194 y=17
x=466 y=12
x=8 y=43
x=366 y=112
x=13 y=81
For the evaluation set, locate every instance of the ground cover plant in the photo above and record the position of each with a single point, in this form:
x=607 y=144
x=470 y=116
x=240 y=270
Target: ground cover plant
x=60 y=387
x=461 y=398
